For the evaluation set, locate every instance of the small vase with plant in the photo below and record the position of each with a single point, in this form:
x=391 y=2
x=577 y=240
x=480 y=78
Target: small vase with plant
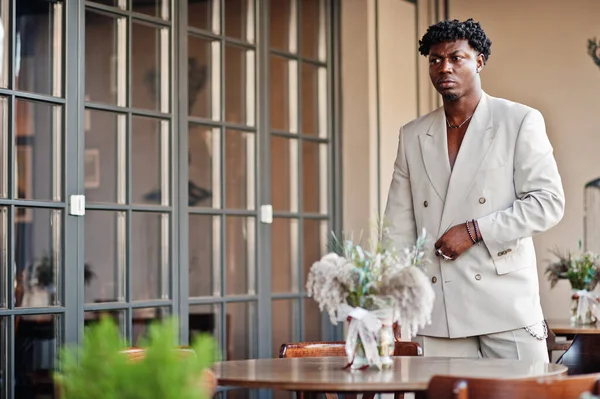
x=372 y=288
x=583 y=272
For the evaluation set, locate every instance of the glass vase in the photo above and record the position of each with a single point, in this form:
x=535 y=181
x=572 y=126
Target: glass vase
x=580 y=319
x=385 y=342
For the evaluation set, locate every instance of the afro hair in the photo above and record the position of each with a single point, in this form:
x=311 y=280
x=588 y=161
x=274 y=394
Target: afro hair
x=451 y=30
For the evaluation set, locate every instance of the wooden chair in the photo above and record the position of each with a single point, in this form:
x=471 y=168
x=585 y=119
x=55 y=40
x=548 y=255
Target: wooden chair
x=553 y=345
x=449 y=387
x=338 y=348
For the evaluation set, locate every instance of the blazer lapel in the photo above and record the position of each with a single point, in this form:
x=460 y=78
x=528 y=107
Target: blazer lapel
x=434 y=149
x=475 y=146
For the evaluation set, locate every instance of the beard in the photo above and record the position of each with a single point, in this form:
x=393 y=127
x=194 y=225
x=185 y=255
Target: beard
x=450 y=96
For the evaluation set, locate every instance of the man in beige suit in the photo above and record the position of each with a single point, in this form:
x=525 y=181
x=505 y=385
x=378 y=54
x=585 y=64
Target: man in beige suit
x=480 y=176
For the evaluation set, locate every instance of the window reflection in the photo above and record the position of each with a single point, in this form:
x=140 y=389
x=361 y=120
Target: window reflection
x=38 y=64
x=37 y=339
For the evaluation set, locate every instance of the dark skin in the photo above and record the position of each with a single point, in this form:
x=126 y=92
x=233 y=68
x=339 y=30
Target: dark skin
x=454 y=71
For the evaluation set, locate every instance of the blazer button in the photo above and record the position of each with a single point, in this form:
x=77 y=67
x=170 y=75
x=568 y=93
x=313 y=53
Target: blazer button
x=425 y=204
x=434 y=279
x=478 y=277
x=482 y=200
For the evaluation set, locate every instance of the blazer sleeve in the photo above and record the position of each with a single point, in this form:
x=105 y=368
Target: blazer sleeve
x=399 y=218
x=540 y=199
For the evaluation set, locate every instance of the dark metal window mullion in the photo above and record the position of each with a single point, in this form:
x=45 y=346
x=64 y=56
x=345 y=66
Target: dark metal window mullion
x=300 y=130
x=264 y=261
x=128 y=181
x=334 y=84
x=182 y=176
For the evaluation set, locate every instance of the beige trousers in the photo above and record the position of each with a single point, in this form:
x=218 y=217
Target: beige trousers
x=515 y=344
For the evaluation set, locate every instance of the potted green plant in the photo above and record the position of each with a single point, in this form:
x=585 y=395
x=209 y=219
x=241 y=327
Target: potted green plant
x=99 y=369
x=583 y=273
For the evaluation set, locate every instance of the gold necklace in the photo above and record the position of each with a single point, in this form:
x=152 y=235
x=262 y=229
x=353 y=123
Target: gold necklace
x=457 y=126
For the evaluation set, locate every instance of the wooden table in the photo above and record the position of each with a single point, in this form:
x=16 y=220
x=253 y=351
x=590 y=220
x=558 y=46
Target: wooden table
x=564 y=327
x=583 y=356
x=409 y=374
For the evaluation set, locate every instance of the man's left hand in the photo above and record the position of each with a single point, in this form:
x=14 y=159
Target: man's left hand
x=454 y=242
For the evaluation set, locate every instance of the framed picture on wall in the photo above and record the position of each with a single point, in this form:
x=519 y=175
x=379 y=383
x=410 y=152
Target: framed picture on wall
x=92 y=168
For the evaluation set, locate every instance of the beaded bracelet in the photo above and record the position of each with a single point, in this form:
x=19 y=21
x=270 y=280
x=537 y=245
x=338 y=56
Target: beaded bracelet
x=469 y=231
x=477 y=233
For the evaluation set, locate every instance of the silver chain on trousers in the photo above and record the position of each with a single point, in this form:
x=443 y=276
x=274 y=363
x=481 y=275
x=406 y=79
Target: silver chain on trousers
x=535 y=334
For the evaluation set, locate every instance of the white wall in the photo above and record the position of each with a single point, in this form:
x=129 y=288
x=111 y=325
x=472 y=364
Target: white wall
x=539 y=57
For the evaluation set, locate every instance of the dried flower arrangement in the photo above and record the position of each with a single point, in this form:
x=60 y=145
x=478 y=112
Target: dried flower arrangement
x=351 y=282
x=582 y=271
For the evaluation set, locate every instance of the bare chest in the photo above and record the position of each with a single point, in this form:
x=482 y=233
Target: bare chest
x=455 y=139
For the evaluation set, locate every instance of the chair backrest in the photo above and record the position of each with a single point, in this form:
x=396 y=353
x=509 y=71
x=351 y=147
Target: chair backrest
x=450 y=387
x=137 y=354
x=338 y=348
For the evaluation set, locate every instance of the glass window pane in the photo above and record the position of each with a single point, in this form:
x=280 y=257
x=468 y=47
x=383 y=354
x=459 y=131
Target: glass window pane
x=4 y=148
x=239 y=169
x=4 y=41
x=155 y=8
x=240 y=259
x=311 y=31
x=118 y=317
x=286 y=318
x=241 y=333
x=141 y=319
x=38 y=339
x=311 y=325
x=314 y=177
x=236 y=93
x=105 y=58
x=150 y=161
x=4 y=257
x=39 y=47
x=204 y=255
x=282 y=23
x=105 y=256
x=150 y=67
x=284 y=255
x=280 y=93
x=284 y=174
x=38 y=130
x=239 y=19
x=105 y=146
x=206 y=319
x=314 y=240
x=4 y=345
x=38 y=257
x=204 y=186
x=149 y=256
x=201 y=76
x=310 y=100
x=200 y=13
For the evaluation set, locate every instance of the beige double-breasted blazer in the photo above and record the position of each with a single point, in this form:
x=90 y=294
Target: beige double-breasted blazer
x=505 y=176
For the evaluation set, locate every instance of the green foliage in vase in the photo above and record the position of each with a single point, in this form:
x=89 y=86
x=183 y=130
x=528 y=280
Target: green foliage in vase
x=582 y=270
x=594 y=50
x=97 y=369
